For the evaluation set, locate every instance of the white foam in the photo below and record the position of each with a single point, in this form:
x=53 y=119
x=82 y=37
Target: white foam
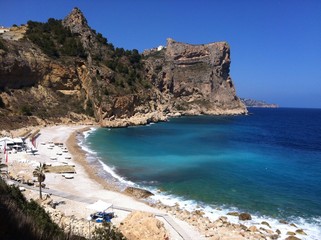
x=88 y=132
x=112 y=172
x=86 y=149
x=313 y=228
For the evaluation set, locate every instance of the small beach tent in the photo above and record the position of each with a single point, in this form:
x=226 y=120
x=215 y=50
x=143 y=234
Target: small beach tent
x=100 y=206
x=18 y=141
x=6 y=142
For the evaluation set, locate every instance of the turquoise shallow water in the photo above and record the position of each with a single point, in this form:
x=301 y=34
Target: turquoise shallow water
x=266 y=163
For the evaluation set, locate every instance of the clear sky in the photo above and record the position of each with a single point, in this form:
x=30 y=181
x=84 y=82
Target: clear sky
x=275 y=45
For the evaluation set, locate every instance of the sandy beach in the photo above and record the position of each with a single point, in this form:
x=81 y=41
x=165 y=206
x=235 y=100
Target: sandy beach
x=58 y=145
x=85 y=183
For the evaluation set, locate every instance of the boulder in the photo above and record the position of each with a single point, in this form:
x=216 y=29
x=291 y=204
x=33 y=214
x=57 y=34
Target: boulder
x=253 y=229
x=138 y=192
x=236 y=214
x=283 y=221
x=292 y=238
x=245 y=216
x=300 y=231
x=293 y=225
x=143 y=226
x=266 y=224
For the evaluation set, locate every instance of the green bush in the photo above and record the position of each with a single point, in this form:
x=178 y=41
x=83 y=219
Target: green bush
x=107 y=232
x=26 y=110
x=54 y=39
x=2 y=46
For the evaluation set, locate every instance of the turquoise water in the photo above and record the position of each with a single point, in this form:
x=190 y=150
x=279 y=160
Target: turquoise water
x=266 y=163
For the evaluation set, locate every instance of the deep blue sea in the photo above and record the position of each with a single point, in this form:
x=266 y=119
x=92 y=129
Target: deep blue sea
x=267 y=163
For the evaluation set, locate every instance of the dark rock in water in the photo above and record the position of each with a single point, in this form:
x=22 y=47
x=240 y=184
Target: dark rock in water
x=293 y=225
x=292 y=238
x=266 y=224
x=283 y=221
x=236 y=214
x=290 y=233
x=300 y=231
x=245 y=216
x=278 y=231
x=137 y=192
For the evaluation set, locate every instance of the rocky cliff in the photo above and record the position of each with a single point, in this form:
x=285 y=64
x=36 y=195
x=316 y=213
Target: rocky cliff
x=63 y=69
x=196 y=78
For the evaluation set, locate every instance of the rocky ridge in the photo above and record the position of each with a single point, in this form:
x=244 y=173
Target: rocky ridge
x=259 y=104
x=112 y=86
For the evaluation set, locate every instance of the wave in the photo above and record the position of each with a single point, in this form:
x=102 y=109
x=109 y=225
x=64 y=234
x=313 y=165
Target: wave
x=93 y=159
x=111 y=171
x=88 y=132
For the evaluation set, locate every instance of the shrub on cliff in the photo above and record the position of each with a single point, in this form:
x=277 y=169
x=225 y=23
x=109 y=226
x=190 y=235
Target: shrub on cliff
x=2 y=46
x=26 y=110
x=107 y=232
x=54 y=39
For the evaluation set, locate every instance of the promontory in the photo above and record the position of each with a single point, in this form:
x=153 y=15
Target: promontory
x=64 y=71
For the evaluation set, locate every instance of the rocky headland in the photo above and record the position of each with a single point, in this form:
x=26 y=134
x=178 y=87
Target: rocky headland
x=257 y=103
x=71 y=73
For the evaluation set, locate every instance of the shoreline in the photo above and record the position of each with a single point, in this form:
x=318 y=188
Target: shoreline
x=79 y=156
x=182 y=213
x=99 y=186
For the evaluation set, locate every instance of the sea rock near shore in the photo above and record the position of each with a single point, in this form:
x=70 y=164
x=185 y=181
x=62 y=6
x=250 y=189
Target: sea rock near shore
x=138 y=192
x=143 y=226
x=245 y=216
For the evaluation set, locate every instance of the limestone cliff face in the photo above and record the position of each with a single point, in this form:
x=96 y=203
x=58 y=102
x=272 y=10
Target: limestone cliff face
x=116 y=87
x=197 y=80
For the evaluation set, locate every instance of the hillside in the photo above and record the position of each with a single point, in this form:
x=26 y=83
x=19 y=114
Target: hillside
x=64 y=71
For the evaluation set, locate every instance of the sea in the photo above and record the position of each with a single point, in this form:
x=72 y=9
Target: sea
x=266 y=163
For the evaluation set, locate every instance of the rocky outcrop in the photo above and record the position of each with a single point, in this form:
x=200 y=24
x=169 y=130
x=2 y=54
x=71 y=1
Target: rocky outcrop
x=196 y=78
x=141 y=226
x=117 y=87
x=137 y=192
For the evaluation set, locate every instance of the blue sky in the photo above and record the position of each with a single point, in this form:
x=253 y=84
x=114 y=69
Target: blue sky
x=275 y=45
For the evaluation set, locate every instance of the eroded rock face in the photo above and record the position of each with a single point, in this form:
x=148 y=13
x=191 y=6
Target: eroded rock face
x=197 y=77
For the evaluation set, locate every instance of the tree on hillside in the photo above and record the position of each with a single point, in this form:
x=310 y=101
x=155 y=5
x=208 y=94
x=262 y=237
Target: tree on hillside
x=39 y=172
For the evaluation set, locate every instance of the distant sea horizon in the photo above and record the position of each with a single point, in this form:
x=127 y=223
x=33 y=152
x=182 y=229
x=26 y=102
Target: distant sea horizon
x=266 y=163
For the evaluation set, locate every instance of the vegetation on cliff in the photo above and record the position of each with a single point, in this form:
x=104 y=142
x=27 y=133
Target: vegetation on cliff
x=54 y=39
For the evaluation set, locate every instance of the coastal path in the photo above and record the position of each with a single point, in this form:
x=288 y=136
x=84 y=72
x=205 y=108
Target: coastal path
x=86 y=200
